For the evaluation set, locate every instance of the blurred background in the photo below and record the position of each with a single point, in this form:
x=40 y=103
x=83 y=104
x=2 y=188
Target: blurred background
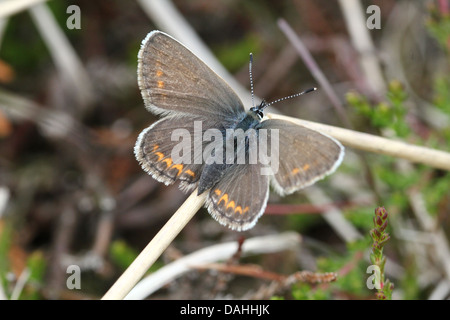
x=72 y=193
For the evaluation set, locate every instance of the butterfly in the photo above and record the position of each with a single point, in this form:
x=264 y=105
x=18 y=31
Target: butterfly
x=195 y=142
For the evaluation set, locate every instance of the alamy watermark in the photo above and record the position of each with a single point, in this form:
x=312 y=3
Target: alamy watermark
x=374 y=281
x=374 y=20
x=74 y=280
x=74 y=20
x=235 y=146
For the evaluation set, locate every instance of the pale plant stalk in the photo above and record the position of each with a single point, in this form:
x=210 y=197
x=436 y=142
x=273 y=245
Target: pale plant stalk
x=370 y=143
x=156 y=247
x=11 y=7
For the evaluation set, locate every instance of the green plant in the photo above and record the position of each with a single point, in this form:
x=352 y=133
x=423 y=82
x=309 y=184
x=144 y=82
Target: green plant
x=385 y=114
x=380 y=238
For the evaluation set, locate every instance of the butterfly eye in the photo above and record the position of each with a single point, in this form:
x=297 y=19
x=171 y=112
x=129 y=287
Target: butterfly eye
x=261 y=106
x=260 y=114
x=257 y=111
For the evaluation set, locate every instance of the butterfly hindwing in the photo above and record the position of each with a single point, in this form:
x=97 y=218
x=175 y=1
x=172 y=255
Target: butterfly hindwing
x=166 y=150
x=305 y=155
x=240 y=197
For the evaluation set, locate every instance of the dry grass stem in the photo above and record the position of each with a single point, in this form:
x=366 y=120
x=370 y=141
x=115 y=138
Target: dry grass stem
x=11 y=7
x=156 y=247
x=218 y=252
x=367 y=142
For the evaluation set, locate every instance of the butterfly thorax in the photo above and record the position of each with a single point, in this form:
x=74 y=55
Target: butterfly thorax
x=212 y=173
x=251 y=120
x=253 y=117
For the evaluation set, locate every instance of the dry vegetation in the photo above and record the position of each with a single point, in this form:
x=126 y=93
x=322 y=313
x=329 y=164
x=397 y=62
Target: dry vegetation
x=72 y=193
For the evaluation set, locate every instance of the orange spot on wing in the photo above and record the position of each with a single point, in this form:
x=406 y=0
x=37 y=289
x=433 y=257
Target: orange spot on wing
x=238 y=208
x=159 y=73
x=245 y=210
x=160 y=155
x=218 y=192
x=168 y=161
x=155 y=147
x=189 y=172
x=179 y=167
x=297 y=170
x=160 y=84
x=224 y=198
x=231 y=204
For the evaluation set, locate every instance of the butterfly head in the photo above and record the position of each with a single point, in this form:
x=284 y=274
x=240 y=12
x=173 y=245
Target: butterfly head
x=258 y=111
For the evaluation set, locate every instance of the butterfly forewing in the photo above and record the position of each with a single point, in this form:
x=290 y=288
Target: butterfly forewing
x=174 y=81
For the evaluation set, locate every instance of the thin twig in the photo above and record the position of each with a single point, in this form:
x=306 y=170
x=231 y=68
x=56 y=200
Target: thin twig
x=166 y=16
x=2 y=293
x=355 y=19
x=155 y=248
x=333 y=215
x=315 y=70
x=441 y=291
x=64 y=55
x=4 y=198
x=437 y=235
x=218 y=252
x=20 y=284
x=329 y=91
x=8 y=8
x=56 y=124
x=3 y=26
x=367 y=142
x=402 y=21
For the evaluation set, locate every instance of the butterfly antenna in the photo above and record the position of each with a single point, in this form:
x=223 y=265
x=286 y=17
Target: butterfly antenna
x=251 y=78
x=290 y=97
